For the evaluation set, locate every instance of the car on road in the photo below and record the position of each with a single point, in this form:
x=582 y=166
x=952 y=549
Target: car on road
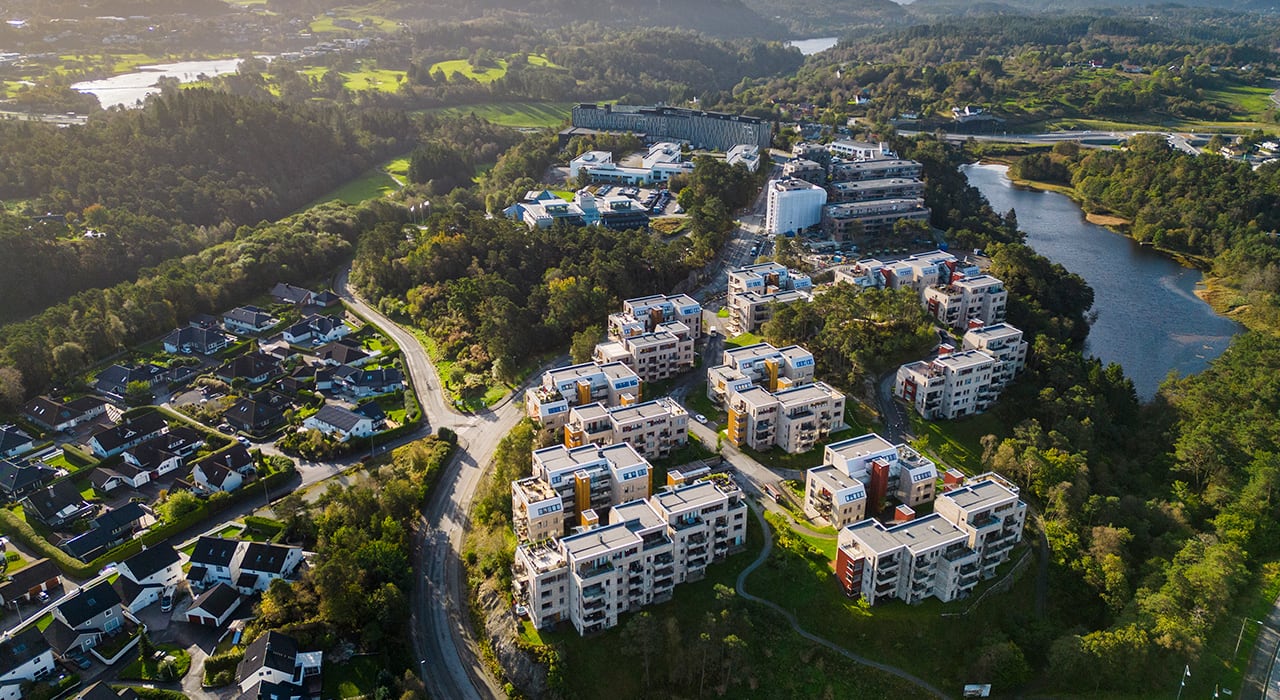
x=700 y=418
x=226 y=428
x=242 y=440
x=43 y=596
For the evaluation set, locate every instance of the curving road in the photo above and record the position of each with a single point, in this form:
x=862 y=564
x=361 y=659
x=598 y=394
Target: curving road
x=441 y=632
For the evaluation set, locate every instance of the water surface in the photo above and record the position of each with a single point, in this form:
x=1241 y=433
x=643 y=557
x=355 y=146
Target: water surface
x=128 y=89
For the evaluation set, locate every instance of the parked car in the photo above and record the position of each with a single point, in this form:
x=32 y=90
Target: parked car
x=166 y=601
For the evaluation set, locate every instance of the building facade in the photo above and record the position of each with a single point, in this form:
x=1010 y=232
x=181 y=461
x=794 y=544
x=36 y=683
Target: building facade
x=953 y=385
x=793 y=206
x=981 y=298
x=567 y=483
x=613 y=384
x=844 y=221
x=752 y=289
x=653 y=428
x=1004 y=344
x=794 y=419
x=700 y=129
x=653 y=356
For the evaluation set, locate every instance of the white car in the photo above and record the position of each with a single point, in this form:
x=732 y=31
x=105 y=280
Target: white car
x=700 y=418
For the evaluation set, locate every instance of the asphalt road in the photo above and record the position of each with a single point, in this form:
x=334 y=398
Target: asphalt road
x=1262 y=677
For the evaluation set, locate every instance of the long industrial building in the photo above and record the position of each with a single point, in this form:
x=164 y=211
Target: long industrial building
x=713 y=130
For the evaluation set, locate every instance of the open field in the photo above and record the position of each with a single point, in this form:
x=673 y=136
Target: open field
x=380 y=79
x=377 y=182
x=463 y=67
x=514 y=114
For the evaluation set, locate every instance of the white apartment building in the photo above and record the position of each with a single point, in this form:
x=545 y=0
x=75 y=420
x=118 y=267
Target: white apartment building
x=653 y=428
x=860 y=150
x=653 y=356
x=980 y=298
x=885 y=469
x=832 y=494
x=794 y=419
x=944 y=554
x=1005 y=345
x=774 y=369
x=805 y=169
x=747 y=154
x=753 y=288
x=592 y=577
x=566 y=483
x=919 y=271
x=644 y=315
x=611 y=384
x=659 y=166
x=953 y=385
x=793 y=206
x=843 y=221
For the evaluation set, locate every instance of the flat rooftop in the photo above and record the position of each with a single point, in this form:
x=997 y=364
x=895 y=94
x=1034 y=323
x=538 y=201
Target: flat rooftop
x=590 y=411
x=877 y=183
x=535 y=490
x=977 y=281
x=980 y=494
x=808 y=393
x=559 y=458
x=999 y=330
x=623 y=456
x=919 y=535
x=542 y=557
x=749 y=353
x=599 y=542
x=756 y=396
x=691 y=497
x=637 y=515
x=650 y=409
x=836 y=479
x=782 y=296
x=964 y=359
x=861 y=446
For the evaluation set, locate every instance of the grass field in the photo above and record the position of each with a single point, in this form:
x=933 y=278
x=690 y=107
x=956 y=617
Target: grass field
x=377 y=182
x=380 y=79
x=514 y=114
x=957 y=443
x=463 y=67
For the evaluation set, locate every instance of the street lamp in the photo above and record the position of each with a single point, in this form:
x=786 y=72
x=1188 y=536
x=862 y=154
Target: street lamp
x=1240 y=636
x=1182 y=683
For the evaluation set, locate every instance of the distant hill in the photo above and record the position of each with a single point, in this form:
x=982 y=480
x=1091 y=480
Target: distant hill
x=829 y=17
x=724 y=18
x=1004 y=6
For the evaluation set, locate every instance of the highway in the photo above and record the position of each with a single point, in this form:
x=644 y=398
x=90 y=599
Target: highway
x=1180 y=141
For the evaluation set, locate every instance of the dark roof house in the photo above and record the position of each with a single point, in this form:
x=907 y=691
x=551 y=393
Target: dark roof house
x=57 y=504
x=255 y=368
x=289 y=294
x=258 y=413
x=17 y=481
x=115 y=439
x=14 y=441
x=116 y=378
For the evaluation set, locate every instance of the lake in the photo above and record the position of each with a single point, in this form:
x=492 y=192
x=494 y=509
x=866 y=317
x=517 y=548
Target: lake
x=809 y=47
x=1149 y=319
x=128 y=89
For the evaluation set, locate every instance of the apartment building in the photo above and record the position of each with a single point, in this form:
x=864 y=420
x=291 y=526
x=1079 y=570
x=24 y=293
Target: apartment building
x=804 y=169
x=953 y=385
x=714 y=130
x=919 y=272
x=832 y=494
x=644 y=315
x=885 y=469
x=847 y=170
x=752 y=289
x=844 y=221
x=814 y=152
x=662 y=162
x=860 y=150
x=1005 y=345
x=592 y=577
x=774 y=369
x=611 y=384
x=793 y=205
x=794 y=419
x=744 y=154
x=543 y=209
x=943 y=555
x=567 y=483
x=868 y=190
x=956 y=304
x=653 y=428
x=653 y=356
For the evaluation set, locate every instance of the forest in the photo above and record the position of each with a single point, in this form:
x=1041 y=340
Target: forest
x=66 y=338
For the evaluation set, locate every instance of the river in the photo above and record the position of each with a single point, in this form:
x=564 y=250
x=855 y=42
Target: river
x=1149 y=319
x=128 y=89
x=809 y=47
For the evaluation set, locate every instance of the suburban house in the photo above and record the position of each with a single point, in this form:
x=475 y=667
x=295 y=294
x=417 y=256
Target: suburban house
x=210 y=476
x=317 y=329
x=116 y=378
x=57 y=505
x=342 y=353
x=326 y=299
x=159 y=455
x=214 y=606
x=211 y=561
x=41 y=576
x=361 y=383
x=81 y=621
x=273 y=667
x=145 y=576
x=255 y=368
x=108 y=479
x=257 y=414
x=115 y=439
x=260 y=563
x=18 y=481
x=248 y=319
x=108 y=530
x=25 y=657
x=102 y=691
x=14 y=441
x=341 y=423
x=289 y=294
x=193 y=340
x=51 y=414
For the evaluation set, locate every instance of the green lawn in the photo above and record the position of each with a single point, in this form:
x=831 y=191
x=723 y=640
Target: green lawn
x=1221 y=664
x=697 y=402
x=149 y=670
x=514 y=114
x=355 y=678
x=743 y=340
x=14 y=562
x=229 y=531
x=463 y=67
x=398 y=168
x=1248 y=100
x=957 y=443
x=377 y=182
x=380 y=79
